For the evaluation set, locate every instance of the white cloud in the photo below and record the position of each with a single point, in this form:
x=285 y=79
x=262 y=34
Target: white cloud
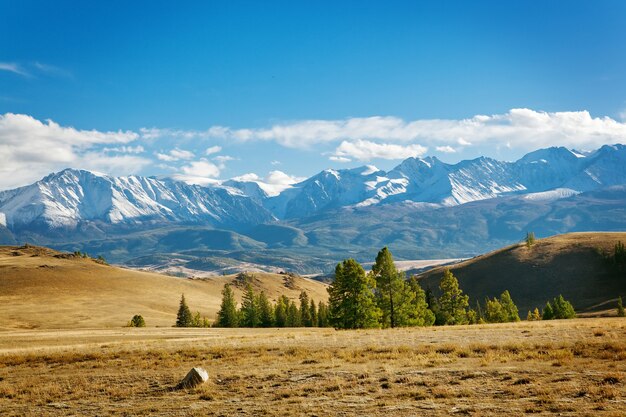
x=523 y=128
x=274 y=182
x=364 y=150
x=175 y=155
x=52 y=70
x=201 y=168
x=445 y=149
x=274 y=163
x=14 y=68
x=339 y=158
x=31 y=149
x=222 y=159
x=125 y=149
x=212 y=150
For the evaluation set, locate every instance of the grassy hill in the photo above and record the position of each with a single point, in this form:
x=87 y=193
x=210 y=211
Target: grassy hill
x=43 y=288
x=570 y=264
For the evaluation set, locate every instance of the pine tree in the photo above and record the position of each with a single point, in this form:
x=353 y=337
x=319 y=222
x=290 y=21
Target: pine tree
x=452 y=303
x=196 y=321
x=472 y=316
x=393 y=296
x=562 y=309
x=305 y=310
x=322 y=315
x=494 y=313
x=313 y=312
x=351 y=300
x=548 y=312
x=529 y=316
x=280 y=311
x=227 y=315
x=183 y=318
x=293 y=315
x=536 y=315
x=266 y=311
x=620 y=307
x=420 y=314
x=509 y=307
x=249 y=309
x=479 y=311
x=530 y=239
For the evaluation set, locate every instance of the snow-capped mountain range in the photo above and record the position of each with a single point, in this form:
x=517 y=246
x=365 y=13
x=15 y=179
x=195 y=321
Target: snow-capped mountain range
x=72 y=197
x=67 y=198
x=431 y=181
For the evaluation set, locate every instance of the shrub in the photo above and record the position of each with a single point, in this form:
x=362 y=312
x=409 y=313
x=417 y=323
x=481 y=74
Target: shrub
x=137 y=321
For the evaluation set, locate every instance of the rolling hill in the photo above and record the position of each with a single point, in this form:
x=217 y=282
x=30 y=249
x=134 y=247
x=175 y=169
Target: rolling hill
x=570 y=264
x=43 y=288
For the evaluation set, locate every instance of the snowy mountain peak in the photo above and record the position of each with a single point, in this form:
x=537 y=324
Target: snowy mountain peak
x=70 y=197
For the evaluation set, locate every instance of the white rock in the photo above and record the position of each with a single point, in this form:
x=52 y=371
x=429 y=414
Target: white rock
x=194 y=378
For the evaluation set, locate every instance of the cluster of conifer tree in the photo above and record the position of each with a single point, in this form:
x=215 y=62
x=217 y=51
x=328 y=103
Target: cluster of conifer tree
x=380 y=298
x=257 y=311
x=184 y=318
x=385 y=298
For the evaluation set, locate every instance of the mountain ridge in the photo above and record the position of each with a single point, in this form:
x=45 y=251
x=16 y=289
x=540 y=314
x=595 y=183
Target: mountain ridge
x=421 y=208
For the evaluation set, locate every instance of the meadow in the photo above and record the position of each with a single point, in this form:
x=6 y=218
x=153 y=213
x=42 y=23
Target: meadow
x=566 y=367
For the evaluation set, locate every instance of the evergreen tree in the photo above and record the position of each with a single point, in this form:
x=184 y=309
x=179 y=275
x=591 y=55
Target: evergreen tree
x=452 y=303
x=183 y=318
x=266 y=311
x=548 y=312
x=322 y=315
x=509 y=307
x=472 y=316
x=351 y=301
x=250 y=316
x=227 y=315
x=620 y=307
x=305 y=310
x=420 y=314
x=562 y=309
x=393 y=296
x=530 y=239
x=479 y=311
x=536 y=315
x=280 y=311
x=293 y=315
x=196 y=321
x=494 y=313
x=313 y=312
x=529 y=316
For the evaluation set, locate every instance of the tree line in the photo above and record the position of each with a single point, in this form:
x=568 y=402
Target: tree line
x=385 y=298
x=358 y=299
x=257 y=311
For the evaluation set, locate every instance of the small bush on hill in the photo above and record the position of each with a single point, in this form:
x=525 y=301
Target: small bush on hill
x=137 y=321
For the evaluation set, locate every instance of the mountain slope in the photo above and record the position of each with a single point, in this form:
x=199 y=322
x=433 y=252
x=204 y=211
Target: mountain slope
x=429 y=180
x=42 y=288
x=571 y=265
x=67 y=199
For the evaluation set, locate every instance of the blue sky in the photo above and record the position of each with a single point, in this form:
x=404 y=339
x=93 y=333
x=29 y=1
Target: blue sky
x=148 y=87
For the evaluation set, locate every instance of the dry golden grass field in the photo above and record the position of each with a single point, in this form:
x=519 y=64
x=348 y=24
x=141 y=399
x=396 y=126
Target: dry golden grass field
x=42 y=288
x=570 y=368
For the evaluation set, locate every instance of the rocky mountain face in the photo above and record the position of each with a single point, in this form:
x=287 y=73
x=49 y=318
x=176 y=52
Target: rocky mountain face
x=429 y=180
x=422 y=208
x=69 y=198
